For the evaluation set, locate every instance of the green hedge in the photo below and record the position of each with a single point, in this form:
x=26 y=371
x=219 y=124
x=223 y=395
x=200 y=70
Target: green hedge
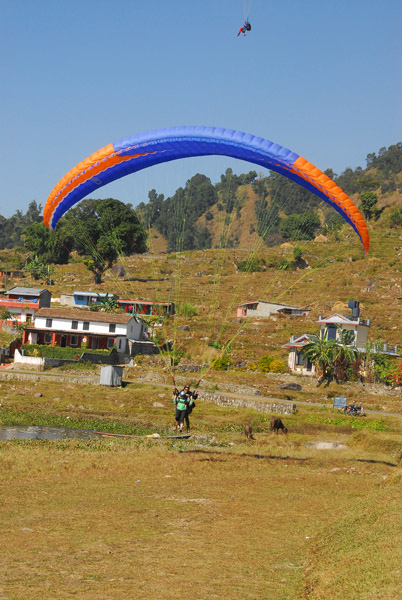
x=58 y=352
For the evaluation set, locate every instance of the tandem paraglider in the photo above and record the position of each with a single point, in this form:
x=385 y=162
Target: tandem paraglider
x=244 y=28
x=163 y=145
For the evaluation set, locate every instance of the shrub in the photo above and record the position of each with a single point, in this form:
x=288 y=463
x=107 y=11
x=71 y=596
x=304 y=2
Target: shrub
x=58 y=352
x=252 y=265
x=395 y=219
x=186 y=309
x=221 y=363
x=284 y=264
x=264 y=363
x=278 y=366
x=395 y=374
x=383 y=368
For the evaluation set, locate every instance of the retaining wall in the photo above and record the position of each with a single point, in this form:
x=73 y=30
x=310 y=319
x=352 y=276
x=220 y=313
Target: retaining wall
x=31 y=362
x=232 y=401
x=10 y=374
x=239 y=399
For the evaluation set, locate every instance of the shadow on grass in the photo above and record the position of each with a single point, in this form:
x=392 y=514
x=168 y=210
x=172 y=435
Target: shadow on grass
x=374 y=462
x=243 y=455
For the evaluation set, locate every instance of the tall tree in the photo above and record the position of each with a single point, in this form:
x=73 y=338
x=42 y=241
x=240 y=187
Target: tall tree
x=368 y=203
x=102 y=230
x=48 y=246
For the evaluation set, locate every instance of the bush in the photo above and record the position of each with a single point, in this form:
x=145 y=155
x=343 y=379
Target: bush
x=252 y=265
x=278 y=366
x=58 y=352
x=221 y=363
x=395 y=374
x=382 y=368
x=264 y=363
x=395 y=219
x=186 y=309
x=283 y=264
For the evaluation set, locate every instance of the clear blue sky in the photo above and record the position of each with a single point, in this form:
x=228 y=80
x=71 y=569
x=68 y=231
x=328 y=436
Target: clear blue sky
x=321 y=78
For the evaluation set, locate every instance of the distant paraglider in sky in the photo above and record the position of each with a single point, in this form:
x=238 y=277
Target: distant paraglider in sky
x=244 y=28
x=158 y=146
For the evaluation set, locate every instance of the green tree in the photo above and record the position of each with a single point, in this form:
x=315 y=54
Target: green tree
x=368 y=202
x=11 y=229
x=322 y=353
x=108 y=303
x=345 y=355
x=34 y=268
x=102 y=230
x=48 y=246
x=300 y=226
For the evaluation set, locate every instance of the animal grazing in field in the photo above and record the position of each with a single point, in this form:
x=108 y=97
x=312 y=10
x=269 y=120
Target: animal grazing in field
x=248 y=432
x=276 y=424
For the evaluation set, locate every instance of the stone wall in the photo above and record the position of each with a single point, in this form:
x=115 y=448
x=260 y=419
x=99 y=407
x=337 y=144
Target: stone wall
x=237 y=397
x=35 y=362
x=232 y=401
x=142 y=347
x=11 y=374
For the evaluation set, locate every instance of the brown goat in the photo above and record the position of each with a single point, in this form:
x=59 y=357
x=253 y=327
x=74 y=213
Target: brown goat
x=248 y=432
x=276 y=424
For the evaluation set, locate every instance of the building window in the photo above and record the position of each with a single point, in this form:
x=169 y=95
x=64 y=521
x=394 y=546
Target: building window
x=74 y=340
x=299 y=358
x=49 y=322
x=74 y=324
x=110 y=343
x=85 y=325
x=48 y=338
x=112 y=327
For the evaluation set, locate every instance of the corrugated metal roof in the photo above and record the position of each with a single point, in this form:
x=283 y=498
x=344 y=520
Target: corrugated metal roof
x=95 y=294
x=26 y=291
x=271 y=303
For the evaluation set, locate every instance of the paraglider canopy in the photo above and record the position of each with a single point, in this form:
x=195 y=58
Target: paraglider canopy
x=153 y=147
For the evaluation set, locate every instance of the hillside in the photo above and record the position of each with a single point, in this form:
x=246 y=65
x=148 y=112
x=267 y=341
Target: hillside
x=241 y=209
x=209 y=280
x=207 y=284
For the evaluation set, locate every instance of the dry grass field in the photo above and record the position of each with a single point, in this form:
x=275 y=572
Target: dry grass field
x=210 y=517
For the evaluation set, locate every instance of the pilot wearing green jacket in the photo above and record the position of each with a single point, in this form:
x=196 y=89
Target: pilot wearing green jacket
x=181 y=401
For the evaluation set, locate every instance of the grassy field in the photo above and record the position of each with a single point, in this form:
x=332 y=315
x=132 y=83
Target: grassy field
x=212 y=517
x=215 y=516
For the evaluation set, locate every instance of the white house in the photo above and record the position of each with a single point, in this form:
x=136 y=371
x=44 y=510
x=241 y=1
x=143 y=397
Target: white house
x=75 y=327
x=297 y=361
x=334 y=325
x=260 y=308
